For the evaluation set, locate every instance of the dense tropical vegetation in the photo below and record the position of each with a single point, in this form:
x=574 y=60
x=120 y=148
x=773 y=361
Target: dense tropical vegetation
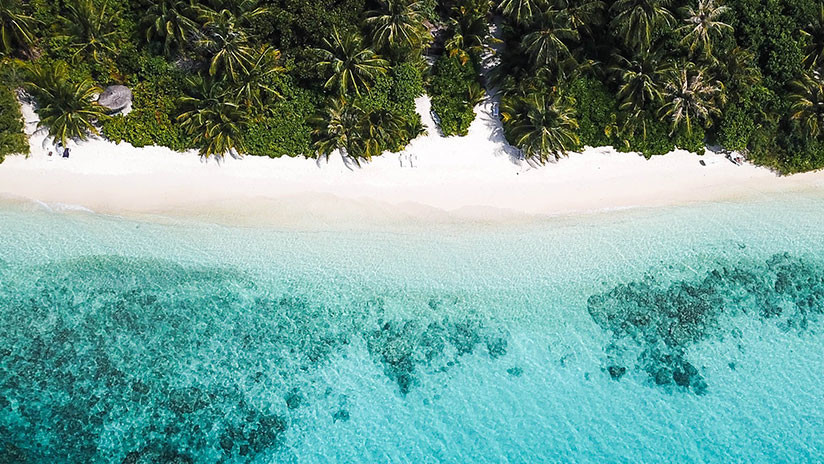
x=307 y=77
x=12 y=140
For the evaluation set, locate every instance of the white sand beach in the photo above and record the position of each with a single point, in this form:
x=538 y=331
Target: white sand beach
x=478 y=176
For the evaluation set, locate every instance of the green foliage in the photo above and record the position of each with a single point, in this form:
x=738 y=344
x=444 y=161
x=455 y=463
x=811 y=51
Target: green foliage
x=770 y=28
x=12 y=138
x=790 y=153
x=692 y=141
x=452 y=88
x=349 y=65
x=16 y=28
x=654 y=141
x=407 y=84
x=157 y=89
x=380 y=120
x=283 y=129
x=784 y=57
x=542 y=126
x=595 y=108
x=737 y=127
x=357 y=132
x=66 y=108
x=306 y=23
x=741 y=73
x=745 y=115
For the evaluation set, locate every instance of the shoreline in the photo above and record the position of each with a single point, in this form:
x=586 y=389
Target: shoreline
x=477 y=177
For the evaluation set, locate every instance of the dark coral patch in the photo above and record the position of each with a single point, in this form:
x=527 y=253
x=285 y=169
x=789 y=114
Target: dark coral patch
x=653 y=324
x=181 y=354
x=405 y=347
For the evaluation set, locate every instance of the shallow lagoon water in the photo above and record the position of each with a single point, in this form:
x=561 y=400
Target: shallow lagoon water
x=678 y=334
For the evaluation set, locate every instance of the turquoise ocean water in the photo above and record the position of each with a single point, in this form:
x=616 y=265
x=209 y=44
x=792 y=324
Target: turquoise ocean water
x=688 y=334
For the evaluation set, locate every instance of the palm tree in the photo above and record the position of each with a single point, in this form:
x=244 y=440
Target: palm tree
x=227 y=45
x=337 y=129
x=91 y=29
x=542 y=126
x=172 y=21
x=350 y=65
x=244 y=11
x=216 y=122
x=703 y=24
x=398 y=23
x=520 y=11
x=636 y=20
x=469 y=30
x=15 y=27
x=358 y=133
x=808 y=103
x=641 y=84
x=814 y=35
x=377 y=130
x=583 y=14
x=256 y=86
x=691 y=95
x=546 y=44
x=738 y=67
x=66 y=108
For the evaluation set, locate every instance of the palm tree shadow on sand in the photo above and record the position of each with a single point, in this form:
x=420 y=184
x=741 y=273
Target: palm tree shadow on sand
x=488 y=114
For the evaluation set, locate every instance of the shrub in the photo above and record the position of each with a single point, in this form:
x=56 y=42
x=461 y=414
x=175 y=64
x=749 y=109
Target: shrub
x=737 y=126
x=450 y=89
x=283 y=129
x=12 y=138
x=694 y=142
x=407 y=84
x=396 y=92
x=156 y=88
x=596 y=108
x=787 y=151
x=656 y=142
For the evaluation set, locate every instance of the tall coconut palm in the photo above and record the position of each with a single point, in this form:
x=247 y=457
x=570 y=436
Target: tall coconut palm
x=521 y=11
x=216 y=122
x=635 y=21
x=547 y=44
x=692 y=96
x=808 y=103
x=359 y=133
x=814 y=35
x=640 y=87
x=15 y=27
x=542 y=126
x=91 y=29
x=255 y=88
x=703 y=23
x=469 y=30
x=583 y=14
x=378 y=129
x=170 y=20
x=398 y=24
x=349 y=63
x=226 y=44
x=738 y=67
x=67 y=109
x=338 y=128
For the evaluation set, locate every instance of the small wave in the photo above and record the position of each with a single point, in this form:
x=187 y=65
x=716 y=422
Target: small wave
x=62 y=207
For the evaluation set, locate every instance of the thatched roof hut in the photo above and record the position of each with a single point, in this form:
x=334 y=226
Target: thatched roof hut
x=115 y=97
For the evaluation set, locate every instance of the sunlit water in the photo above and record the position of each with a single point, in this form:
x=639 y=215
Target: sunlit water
x=685 y=334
